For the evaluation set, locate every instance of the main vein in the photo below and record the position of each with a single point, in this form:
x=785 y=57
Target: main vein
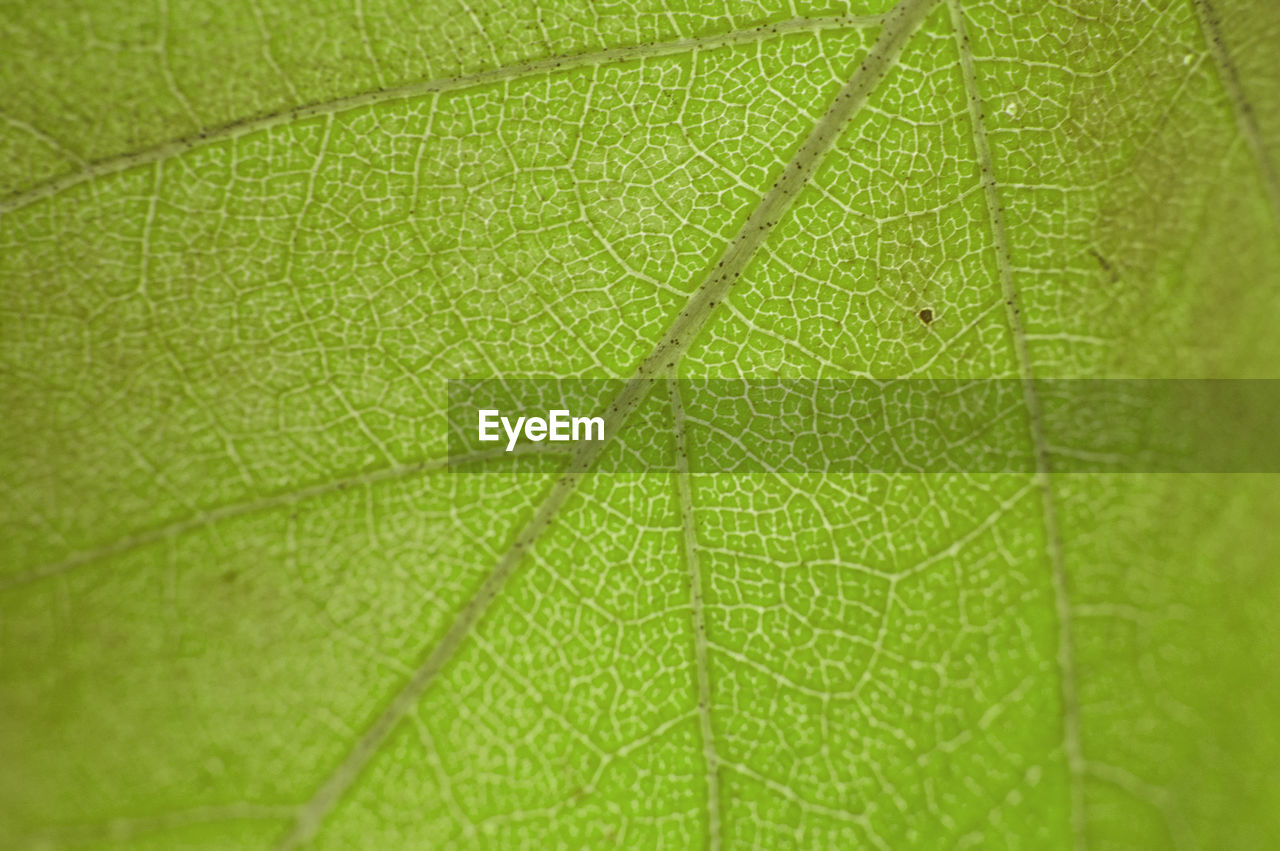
x=898 y=25
x=1053 y=536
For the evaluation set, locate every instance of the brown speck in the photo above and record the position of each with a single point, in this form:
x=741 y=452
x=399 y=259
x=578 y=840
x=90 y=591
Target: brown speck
x=1105 y=264
x=926 y=315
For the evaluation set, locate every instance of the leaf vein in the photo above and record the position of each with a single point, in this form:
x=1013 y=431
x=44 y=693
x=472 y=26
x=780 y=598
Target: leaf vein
x=247 y=126
x=1242 y=109
x=702 y=673
x=1058 y=577
x=899 y=24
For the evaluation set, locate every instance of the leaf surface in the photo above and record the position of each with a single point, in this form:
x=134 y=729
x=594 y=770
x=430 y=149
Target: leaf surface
x=245 y=604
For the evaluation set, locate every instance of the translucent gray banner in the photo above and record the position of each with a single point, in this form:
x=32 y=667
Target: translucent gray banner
x=865 y=425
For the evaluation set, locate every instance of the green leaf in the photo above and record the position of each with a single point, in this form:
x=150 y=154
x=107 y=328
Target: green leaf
x=245 y=603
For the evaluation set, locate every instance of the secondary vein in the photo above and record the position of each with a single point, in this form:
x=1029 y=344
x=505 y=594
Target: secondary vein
x=1246 y=122
x=244 y=127
x=711 y=762
x=1058 y=576
x=203 y=517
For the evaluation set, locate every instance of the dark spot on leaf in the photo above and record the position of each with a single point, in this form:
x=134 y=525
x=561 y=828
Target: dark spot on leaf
x=926 y=315
x=1105 y=264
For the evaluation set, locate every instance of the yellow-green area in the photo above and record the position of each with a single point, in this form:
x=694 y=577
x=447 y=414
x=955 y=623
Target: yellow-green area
x=244 y=603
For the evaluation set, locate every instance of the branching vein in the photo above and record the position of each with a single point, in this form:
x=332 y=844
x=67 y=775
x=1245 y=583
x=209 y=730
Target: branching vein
x=898 y=25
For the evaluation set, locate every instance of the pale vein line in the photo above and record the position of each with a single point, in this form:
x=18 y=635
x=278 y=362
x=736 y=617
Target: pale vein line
x=44 y=138
x=312 y=813
x=166 y=69
x=711 y=762
x=899 y=24
x=785 y=791
x=245 y=127
x=286 y=277
x=261 y=21
x=368 y=43
x=209 y=517
x=1061 y=599
x=1242 y=109
x=1159 y=799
